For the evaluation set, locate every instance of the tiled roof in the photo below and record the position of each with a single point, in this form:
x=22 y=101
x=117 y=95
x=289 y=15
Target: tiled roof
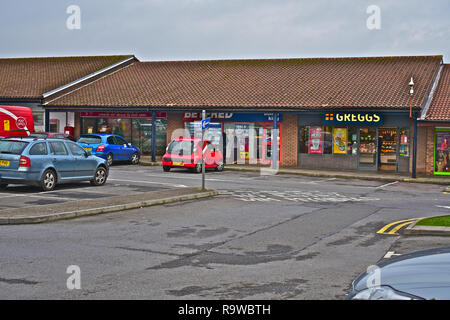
x=275 y=83
x=29 y=78
x=440 y=106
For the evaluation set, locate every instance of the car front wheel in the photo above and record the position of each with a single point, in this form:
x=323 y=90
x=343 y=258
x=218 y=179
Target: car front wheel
x=109 y=159
x=48 y=180
x=219 y=166
x=99 y=177
x=3 y=185
x=135 y=158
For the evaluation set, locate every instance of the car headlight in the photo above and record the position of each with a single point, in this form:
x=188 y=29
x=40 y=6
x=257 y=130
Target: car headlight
x=383 y=293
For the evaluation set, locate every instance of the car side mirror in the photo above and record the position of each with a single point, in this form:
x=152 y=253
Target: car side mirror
x=88 y=154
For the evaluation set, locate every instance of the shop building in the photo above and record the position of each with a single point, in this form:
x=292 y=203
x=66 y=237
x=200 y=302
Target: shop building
x=329 y=113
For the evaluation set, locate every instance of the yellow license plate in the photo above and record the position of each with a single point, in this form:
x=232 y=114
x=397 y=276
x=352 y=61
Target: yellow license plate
x=178 y=163
x=88 y=149
x=4 y=163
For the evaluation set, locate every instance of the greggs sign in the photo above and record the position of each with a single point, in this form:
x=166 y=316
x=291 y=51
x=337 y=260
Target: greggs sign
x=355 y=118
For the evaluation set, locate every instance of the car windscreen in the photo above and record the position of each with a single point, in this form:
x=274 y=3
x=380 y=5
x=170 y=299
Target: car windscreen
x=181 y=147
x=12 y=147
x=90 y=139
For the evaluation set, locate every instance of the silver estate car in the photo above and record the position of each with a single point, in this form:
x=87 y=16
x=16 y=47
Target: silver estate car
x=47 y=162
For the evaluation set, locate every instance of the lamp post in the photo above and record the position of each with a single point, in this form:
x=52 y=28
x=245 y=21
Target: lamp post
x=411 y=92
x=414 y=155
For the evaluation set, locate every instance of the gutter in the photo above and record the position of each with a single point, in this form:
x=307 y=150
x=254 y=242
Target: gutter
x=431 y=94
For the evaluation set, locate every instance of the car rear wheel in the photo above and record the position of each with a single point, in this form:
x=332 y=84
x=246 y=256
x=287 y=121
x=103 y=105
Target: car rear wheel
x=99 y=177
x=135 y=158
x=166 y=168
x=48 y=180
x=109 y=159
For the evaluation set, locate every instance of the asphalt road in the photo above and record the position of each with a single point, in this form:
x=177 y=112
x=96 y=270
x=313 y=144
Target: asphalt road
x=264 y=237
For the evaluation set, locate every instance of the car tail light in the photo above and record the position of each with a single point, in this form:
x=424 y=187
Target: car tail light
x=101 y=148
x=24 y=162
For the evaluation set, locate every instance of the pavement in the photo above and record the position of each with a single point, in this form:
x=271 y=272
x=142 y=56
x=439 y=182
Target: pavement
x=78 y=208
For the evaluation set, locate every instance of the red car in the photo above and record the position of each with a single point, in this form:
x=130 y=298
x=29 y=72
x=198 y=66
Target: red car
x=185 y=152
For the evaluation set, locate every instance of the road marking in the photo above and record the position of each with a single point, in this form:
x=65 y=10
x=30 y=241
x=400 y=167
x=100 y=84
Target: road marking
x=389 y=254
x=387 y=184
x=398 y=225
x=149 y=182
x=11 y=195
x=446 y=207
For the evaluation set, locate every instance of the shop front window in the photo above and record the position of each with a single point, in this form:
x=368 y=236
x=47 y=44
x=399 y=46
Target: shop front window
x=404 y=143
x=328 y=140
x=137 y=131
x=441 y=153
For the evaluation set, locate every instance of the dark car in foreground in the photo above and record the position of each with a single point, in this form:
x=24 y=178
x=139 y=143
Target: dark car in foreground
x=414 y=276
x=47 y=162
x=110 y=147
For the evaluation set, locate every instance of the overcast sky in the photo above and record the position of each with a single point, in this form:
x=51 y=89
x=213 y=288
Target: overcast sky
x=225 y=29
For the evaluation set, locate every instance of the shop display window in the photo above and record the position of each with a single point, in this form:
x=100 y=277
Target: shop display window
x=404 y=143
x=327 y=140
x=441 y=151
x=137 y=131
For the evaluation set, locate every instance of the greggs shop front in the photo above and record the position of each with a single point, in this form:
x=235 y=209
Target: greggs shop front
x=355 y=141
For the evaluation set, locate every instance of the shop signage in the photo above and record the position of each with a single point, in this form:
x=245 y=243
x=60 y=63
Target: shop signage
x=353 y=118
x=340 y=141
x=230 y=116
x=121 y=114
x=315 y=140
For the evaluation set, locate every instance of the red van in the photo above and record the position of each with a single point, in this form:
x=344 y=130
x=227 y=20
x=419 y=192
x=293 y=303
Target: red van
x=185 y=152
x=16 y=121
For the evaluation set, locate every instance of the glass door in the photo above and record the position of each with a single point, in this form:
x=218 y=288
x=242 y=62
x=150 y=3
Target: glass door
x=368 y=148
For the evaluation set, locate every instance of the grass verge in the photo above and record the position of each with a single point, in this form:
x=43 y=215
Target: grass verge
x=443 y=221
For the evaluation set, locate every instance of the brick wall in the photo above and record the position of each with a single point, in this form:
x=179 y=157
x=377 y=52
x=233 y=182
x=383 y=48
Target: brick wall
x=175 y=126
x=429 y=160
x=289 y=140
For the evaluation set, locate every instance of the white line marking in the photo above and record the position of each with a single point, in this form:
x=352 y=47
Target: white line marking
x=385 y=185
x=389 y=254
x=149 y=182
x=446 y=207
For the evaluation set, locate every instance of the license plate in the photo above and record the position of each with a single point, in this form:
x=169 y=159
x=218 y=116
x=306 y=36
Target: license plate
x=4 y=163
x=88 y=149
x=178 y=163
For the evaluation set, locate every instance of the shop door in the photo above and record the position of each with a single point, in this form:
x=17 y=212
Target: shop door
x=387 y=148
x=368 y=159
x=267 y=144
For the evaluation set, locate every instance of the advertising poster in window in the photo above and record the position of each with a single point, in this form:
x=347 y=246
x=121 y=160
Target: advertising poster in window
x=315 y=138
x=442 y=159
x=340 y=141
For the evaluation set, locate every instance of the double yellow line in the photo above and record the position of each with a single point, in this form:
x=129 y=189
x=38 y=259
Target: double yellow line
x=398 y=225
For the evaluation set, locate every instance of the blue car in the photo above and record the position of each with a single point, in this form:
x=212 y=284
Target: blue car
x=110 y=147
x=47 y=162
